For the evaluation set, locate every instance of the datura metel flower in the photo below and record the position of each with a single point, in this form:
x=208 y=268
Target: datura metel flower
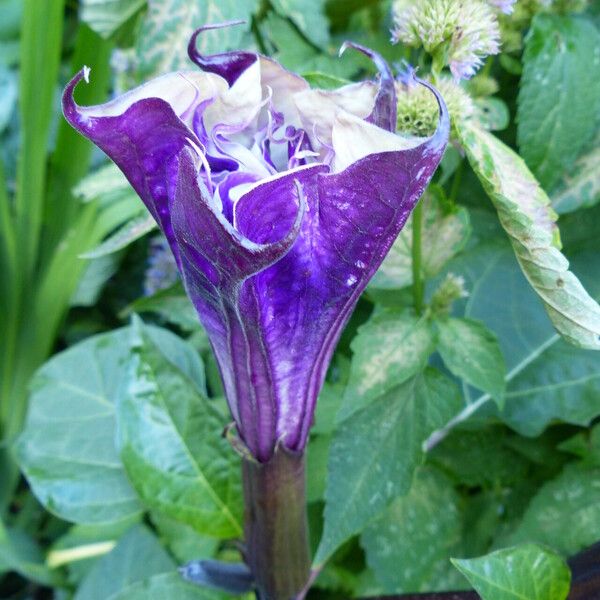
x=279 y=203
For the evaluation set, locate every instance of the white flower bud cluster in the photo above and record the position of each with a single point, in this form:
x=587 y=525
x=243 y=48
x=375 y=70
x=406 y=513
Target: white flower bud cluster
x=464 y=32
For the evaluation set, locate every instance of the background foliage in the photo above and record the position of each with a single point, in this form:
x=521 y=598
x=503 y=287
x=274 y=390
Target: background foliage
x=462 y=427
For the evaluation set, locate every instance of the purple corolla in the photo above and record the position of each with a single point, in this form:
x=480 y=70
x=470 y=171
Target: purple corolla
x=279 y=203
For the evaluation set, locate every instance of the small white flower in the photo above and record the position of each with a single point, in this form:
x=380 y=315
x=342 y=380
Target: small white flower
x=465 y=30
x=505 y=6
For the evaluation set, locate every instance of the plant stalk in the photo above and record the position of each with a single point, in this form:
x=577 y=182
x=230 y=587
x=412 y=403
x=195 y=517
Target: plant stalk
x=418 y=283
x=276 y=526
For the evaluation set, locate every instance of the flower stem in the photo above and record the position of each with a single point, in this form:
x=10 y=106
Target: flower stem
x=276 y=526
x=418 y=283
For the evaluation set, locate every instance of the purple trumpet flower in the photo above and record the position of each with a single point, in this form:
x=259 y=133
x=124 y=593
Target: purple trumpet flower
x=279 y=203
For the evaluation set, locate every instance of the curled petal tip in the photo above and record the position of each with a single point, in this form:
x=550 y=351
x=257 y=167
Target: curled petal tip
x=407 y=74
x=69 y=106
x=343 y=48
x=384 y=111
x=228 y=65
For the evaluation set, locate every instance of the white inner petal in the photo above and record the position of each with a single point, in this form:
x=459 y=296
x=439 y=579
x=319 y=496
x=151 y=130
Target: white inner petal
x=181 y=90
x=354 y=138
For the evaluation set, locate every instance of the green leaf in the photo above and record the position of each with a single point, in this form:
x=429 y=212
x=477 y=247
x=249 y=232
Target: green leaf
x=492 y=113
x=471 y=351
x=138 y=555
x=20 y=553
x=375 y=451
x=171 y=445
x=388 y=349
x=563 y=383
x=524 y=212
x=183 y=542
x=172 y=304
x=81 y=546
x=308 y=16
x=565 y=513
x=324 y=81
x=167 y=585
x=168 y=25
x=559 y=98
x=492 y=466
x=580 y=186
x=316 y=467
x=293 y=51
x=128 y=233
x=585 y=445
x=406 y=544
x=106 y=16
x=444 y=235
x=106 y=182
x=95 y=276
x=69 y=456
x=547 y=379
x=8 y=95
x=526 y=572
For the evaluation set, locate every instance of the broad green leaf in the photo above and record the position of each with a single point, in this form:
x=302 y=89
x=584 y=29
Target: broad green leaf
x=580 y=186
x=168 y=25
x=167 y=585
x=296 y=53
x=471 y=351
x=374 y=453
x=171 y=443
x=324 y=81
x=20 y=553
x=389 y=349
x=138 y=555
x=316 y=467
x=527 y=572
x=585 y=445
x=444 y=235
x=559 y=98
x=96 y=274
x=565 y=513
x=69 y=456
x=547 y=378
x=106 y=16
x=492 y=113
x=524 y=212
x=406 y=544
x=106 y=182
x=492 y=466
x=128 y=233
x=171 y=304
x=308 y=16
x=562 y=384
x=183 y=542
x=82 y=545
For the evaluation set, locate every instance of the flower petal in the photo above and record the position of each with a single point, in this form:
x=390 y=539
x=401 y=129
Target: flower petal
x=352 y=219
x=143 y=131
x=229 y=65
x=216 y=263
x=318 y=108
x=384 y=111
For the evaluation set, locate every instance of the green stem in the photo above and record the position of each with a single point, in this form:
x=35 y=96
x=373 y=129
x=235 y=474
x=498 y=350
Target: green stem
x=418 y=283
x=276 y=527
